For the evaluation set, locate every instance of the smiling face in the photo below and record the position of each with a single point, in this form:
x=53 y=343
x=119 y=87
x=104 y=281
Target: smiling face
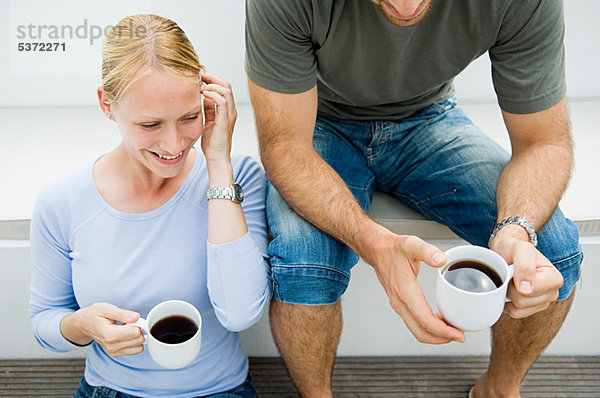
x=404 y=12
x=160 y=119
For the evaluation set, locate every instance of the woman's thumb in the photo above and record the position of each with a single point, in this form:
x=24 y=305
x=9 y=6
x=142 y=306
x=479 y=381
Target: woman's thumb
x=120 y=315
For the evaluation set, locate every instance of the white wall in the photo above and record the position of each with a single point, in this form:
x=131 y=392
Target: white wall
x=216 y=29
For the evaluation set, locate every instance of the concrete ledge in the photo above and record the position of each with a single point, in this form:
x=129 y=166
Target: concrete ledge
x=385 y=209
x=14 y=229
x=371 y=327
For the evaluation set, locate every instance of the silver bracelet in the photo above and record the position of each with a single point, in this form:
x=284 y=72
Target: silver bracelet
x=518 y=220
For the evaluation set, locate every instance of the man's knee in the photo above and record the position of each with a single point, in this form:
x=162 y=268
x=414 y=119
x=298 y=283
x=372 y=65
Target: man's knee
x=559 y=243
x=308 y=267
x=308 y=284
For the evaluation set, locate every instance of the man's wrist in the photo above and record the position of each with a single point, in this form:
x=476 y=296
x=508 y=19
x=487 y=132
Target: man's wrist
x=374 y=238
x=516 y=227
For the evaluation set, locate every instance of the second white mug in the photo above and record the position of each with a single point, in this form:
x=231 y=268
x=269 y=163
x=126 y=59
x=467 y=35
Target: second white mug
x=468 y=310
x=171 y=356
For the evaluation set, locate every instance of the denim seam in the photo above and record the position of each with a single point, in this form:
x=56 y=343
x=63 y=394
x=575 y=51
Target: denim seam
x=418 y=203
x=456 y=229
x=437 y=195
x=429 y=212
x=296 y=266
x=364 y=188
x=579 y=253
x=378 y=131
x=372 y=142
x=382 y=148
x=369 y=195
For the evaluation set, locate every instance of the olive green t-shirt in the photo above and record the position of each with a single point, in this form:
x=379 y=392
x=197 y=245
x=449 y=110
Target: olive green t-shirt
x=367 y=68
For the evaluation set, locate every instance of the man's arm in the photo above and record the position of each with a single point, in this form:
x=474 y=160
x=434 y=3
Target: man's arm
x=531 y=186
x=285 y=125
x=542 y=156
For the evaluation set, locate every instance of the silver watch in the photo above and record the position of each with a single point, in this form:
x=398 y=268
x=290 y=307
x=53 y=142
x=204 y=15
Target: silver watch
x=233 y=192
x=522 y=221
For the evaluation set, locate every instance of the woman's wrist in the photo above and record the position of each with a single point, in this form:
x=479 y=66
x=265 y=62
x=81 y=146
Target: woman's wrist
x=220 y=173
x=71 y=327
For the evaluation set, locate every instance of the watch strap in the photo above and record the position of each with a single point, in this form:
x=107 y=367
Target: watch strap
x=230 y=192
x=220 y=193
x=518 y=220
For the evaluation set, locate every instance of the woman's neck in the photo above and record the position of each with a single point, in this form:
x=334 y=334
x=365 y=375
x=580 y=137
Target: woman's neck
x=129 y=186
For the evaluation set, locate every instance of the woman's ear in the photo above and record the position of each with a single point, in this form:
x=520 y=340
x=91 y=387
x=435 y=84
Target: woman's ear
x=105 y=104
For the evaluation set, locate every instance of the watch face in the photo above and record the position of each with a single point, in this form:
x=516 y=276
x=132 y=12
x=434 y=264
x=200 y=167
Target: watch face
x=239 y=193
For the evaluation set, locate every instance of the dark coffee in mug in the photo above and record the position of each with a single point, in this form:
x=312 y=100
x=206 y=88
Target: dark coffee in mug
x=473 y=276
x=174 y=329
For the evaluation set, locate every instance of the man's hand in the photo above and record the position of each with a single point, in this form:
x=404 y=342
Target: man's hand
x=536 y=281
x=397 y=262
x=531 y=185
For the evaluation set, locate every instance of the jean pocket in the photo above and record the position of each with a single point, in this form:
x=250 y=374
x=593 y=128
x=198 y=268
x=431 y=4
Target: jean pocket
x=433 y=196
x=431 y=203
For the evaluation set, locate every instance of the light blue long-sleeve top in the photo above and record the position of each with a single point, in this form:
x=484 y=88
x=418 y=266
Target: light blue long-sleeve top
x=83 y=251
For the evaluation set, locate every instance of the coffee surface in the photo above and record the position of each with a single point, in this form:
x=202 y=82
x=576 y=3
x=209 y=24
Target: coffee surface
x=472 y=276
x=174 y=329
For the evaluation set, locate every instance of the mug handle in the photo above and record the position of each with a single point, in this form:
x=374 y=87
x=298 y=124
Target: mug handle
x=142 y=324
x=511 y=273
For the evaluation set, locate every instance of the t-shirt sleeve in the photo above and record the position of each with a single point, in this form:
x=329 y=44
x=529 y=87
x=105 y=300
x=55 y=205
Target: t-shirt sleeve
x=279 y=50
x=237 y=271
x=52 y=295
x=528 y=59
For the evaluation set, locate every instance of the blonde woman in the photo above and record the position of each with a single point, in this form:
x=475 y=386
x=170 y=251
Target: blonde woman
x=134 y=227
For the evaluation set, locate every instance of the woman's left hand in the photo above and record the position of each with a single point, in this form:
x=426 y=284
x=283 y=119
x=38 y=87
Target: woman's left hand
x=220 y=115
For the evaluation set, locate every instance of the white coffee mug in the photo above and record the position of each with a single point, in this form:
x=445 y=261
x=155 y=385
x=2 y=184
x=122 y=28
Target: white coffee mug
x=472 y=311
x=171 y=356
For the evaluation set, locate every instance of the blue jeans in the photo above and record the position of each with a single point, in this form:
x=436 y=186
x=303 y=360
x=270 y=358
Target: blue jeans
x=244 y=390
x=437 y=162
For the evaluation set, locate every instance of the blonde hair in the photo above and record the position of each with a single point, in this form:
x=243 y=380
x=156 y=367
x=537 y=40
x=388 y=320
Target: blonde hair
x=139 y=44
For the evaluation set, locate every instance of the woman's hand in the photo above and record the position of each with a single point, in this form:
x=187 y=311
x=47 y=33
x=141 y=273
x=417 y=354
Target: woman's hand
x=99 y=322
x=220 y=115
